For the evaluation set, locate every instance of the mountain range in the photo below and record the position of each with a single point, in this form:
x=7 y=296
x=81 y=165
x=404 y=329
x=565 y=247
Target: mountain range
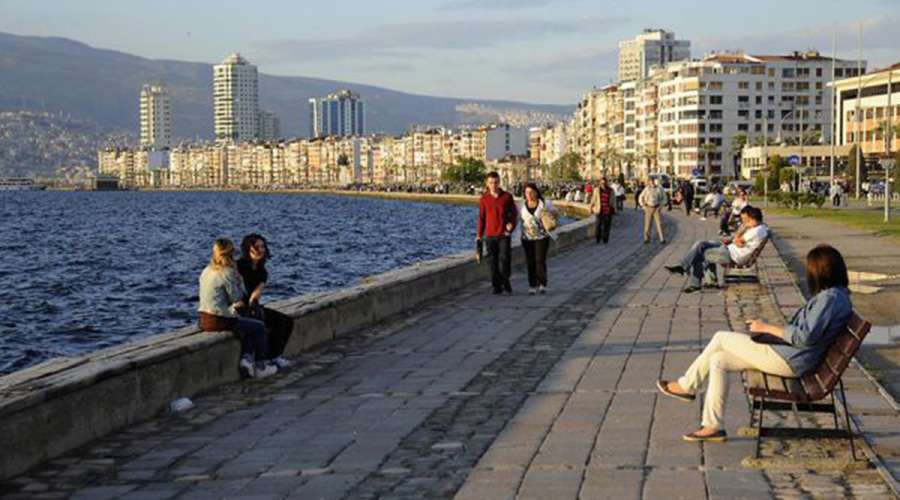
x=60 y=75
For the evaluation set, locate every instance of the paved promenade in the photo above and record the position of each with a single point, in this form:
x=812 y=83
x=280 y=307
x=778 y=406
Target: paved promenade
x=482 y=397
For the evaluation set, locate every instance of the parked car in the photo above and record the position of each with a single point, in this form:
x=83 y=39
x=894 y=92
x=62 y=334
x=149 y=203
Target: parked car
x=732 y=188
x=701 y=185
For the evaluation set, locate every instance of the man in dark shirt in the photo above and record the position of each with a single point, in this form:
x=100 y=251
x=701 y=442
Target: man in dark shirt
x=497 y=217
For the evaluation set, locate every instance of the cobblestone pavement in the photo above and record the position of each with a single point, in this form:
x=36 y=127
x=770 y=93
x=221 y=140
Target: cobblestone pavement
x=476 y=396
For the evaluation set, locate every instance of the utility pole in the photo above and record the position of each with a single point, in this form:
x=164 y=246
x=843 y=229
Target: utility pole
x=860 y=156
x=833 y=100
x=765 y=160
x=887 y=147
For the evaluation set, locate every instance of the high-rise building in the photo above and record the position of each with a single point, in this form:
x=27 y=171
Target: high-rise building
x=156 y=125
x=340 y=114
x=236 y=96
x=269 y=126
x=651 y=48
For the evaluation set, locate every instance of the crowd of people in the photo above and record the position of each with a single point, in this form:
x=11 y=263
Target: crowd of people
x=231 y=290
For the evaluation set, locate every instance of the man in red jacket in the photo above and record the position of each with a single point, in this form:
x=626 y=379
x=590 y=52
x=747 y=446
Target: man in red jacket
x=497 y=216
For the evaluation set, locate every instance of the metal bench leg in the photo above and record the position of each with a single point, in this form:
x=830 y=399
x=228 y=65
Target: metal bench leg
x=759 y=422
x=847 y=419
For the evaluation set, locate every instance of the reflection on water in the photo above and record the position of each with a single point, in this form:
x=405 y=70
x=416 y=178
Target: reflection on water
x=85 y=270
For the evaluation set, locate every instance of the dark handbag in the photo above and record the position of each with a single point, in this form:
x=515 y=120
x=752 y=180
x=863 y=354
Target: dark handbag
x=254 y=311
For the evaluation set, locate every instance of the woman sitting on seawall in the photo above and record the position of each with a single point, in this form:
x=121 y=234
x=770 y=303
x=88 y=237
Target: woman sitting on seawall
x=799 y=348
x=221 y=299
x=252 y=268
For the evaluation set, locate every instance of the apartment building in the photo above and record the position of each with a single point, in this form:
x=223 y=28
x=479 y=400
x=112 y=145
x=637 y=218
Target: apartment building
x=156 y=121
x=339 y=114
x=236 y=100
x=705 y=108
x=269 y=126
x=862 y=113
x=651 y=48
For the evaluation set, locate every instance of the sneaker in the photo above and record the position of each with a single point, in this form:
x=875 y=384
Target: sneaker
x=679 y=270
x=508 y=289
x=264 y=370
x=532 y=291
x=245 y=366
x=497 y=291
x=702 y=218
x=691 y=289
x=716 y=437
x=282 y=363
x=542 y=289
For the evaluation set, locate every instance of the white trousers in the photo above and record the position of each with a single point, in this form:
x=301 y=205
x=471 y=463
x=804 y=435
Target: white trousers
x=728 y=352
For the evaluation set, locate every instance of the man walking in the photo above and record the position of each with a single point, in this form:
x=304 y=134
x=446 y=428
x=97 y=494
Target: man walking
x=652 y=199
x=687 y=195
x=497 y=215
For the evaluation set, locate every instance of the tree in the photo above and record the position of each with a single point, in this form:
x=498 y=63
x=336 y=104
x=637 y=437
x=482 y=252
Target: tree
x=629 y=159
x=855 y=158
x=567 y=168
x=465 y=170
x=709 y=149
x=738 y=141
x=669 y=147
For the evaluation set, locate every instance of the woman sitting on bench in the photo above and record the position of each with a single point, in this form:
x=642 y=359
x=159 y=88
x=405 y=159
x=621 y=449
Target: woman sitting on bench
x=802 y=344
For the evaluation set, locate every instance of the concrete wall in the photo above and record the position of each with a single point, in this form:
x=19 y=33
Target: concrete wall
x=51 y=408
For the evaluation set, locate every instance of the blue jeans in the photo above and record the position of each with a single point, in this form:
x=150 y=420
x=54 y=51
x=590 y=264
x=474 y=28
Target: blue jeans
x=702 y=263
x=253 y=337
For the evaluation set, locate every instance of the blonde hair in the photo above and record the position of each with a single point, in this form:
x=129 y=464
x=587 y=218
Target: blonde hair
x=222 y=254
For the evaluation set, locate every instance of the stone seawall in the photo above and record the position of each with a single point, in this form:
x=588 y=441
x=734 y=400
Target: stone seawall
x=59 y=405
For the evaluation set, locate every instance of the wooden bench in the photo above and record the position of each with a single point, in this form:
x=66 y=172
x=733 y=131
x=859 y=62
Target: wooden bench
x=750 y=263
x=806 y=393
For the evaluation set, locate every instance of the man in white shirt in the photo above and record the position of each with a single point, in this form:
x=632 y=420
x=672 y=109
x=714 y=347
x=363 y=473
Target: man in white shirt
x=737 y=205
x=652 y=199
x=703 y=263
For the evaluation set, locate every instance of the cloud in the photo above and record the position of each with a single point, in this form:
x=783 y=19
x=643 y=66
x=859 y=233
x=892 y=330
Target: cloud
x=578 y=69
x=496 y=4
x=406 y=40
x=879 y=41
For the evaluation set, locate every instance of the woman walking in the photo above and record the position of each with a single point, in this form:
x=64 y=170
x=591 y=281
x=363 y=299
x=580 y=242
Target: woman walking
x=801 y=346
x=252 y=268
x=221 y=300
x=536 y=237
x=603 y=207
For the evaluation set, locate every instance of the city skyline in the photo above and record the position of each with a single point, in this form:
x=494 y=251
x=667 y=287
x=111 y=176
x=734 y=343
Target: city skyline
x=544 y=51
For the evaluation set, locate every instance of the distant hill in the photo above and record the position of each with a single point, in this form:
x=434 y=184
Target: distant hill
x=102 y=86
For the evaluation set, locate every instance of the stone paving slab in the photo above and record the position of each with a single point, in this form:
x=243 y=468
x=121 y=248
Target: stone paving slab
x=482 y=397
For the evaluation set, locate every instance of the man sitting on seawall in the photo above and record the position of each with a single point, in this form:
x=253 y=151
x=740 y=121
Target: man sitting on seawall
x=703 y=263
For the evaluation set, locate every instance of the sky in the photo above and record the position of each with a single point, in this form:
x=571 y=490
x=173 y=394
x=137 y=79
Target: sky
x=539 y=51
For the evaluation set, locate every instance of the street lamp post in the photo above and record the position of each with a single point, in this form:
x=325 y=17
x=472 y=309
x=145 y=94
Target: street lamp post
x=887 y=147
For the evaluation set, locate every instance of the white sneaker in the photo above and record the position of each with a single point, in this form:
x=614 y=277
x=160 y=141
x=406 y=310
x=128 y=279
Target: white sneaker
x=245 y=366
x=282 y=363
x=702 y=218
x=264 y=370
x=542 y=289
x=532 y=291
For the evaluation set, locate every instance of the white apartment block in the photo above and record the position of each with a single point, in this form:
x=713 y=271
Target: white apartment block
x=548 y=144
x=236 y=100
x=704 y=105
x=156 y=122
x=651 y=48
x=505 y=140
x=598 y=131
x=862 y=110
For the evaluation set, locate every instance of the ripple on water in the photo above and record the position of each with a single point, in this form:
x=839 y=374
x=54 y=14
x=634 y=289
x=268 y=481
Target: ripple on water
x=86 y=267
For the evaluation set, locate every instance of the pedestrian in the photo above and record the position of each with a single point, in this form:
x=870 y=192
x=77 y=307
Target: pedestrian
x=687 y=195
x=638 y=189
x=252 y=268
x=538 y=218
x=497 y=217
x=221 y=301
x=737 y=205
x=802 y=344
x=651 y=200
x=836 y=193
x=619 y=191
x=602 y=207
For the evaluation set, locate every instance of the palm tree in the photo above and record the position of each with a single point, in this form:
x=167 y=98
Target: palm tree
x=738 y=141
x=629 y=159
x=708 y=149
x=669 y=146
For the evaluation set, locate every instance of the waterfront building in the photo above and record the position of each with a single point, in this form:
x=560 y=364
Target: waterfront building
x=817 y=159
x=862 y=113
x=236 y=100
x=269 y=127
x=339 y=114
x=599 y=131
x=650 y=48
x=708 y=109
x=156 y=123
x=130 y=166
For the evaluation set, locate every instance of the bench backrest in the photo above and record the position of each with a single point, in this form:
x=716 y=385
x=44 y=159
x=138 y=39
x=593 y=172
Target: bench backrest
x=820 y=382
